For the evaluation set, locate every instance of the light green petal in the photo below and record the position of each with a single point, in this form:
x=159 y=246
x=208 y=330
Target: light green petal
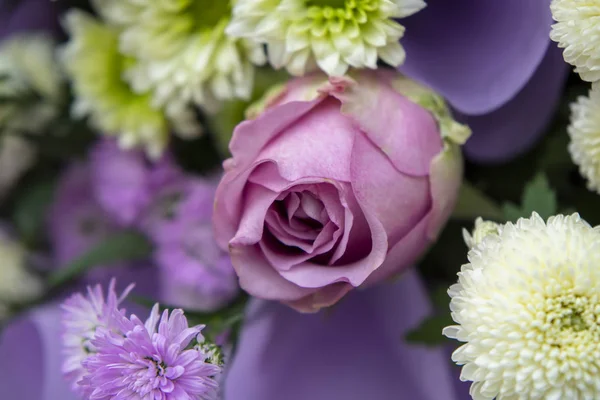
x=96 y=68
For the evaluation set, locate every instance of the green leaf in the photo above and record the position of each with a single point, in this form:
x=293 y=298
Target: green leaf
x=473 y=203
x=30 y=210
x=429 y=332
x=119 y=247
x=538 y=196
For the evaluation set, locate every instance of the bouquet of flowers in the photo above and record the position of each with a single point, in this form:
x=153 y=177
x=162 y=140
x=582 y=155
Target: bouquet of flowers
x=299 y=199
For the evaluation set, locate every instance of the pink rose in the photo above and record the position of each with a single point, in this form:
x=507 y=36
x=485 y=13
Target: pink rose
x=336 y=184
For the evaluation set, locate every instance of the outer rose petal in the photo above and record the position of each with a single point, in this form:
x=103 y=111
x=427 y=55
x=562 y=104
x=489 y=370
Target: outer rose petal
x=30 y=358
x=445 y=180
x=399 y=201
x=516 y=126
x=353 y=352
x=317 y=145
x=477 y=73
x=406 y=132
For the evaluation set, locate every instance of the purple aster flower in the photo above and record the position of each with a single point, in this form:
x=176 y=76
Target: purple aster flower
x=156 y=360
x=495 y=64
x=354 y=351
x=195 y=272
x=124 y=181
x=30 y=357
x=76 y=220
x=76 y=223
x=82 y=315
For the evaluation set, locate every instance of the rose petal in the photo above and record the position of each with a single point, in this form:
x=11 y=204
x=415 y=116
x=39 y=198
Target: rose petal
x=392 y=122
x=516 y=126
x=258 y=201
x=403 y=254
x=248 y=139
x=259 y=279
x=282 y=259
x=399 y=201
x=318 y=145
x=292 y=237
x=478 y=72
x=251 y=136
x=324 y=297
x=309 y=275
x=445 y=180
x=354 y=351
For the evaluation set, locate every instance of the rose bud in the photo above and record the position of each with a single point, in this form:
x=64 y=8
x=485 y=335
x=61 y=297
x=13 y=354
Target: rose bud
x=337 y=183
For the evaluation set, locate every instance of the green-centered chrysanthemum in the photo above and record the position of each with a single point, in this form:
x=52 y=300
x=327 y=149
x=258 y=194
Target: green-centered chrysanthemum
x=183 y=54
x=331 y=34
x=96 y=68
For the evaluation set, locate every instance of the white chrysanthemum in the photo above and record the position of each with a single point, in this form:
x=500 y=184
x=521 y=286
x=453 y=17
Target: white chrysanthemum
x=333 y=34
x=97 y=69
x=32 y=86
x=481 y=230
x=577 y=30
x=584 y=131
x=17 y=155
x=183 y=54
x=528 y=309
x=17 y=285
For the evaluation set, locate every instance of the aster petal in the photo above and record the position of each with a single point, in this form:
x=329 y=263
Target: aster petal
x=477 y=73
x=347 y=360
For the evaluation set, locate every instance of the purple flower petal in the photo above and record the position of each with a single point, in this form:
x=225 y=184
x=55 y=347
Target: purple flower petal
x=353 y=352
x=119 y=180
x=477 y=54
x=28 y=15
x=516 y=126
x=30 y=358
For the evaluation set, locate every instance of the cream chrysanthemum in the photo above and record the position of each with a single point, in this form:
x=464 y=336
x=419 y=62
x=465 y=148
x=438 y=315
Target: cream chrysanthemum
x=97 y=69
x=527 y=307
x=480 y=231
x=183 y=53
x=333 y=34
x=32 y=86
x=17 y=285
x=577 y=30
x=584 y=131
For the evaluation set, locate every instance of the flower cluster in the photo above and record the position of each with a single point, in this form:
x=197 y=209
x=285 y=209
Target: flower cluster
x=174 y=209
x=110 y=355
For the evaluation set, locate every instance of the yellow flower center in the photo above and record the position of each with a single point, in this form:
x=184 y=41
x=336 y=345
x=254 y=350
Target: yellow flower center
x=571 y=320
